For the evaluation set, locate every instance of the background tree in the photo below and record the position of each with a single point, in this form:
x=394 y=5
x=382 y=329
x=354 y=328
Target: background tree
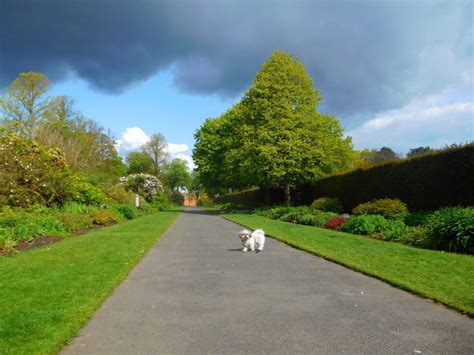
x=385 y=154
x=177 y=175
x=139 y=162
x=24 y=101
x=156 y=149
x=418 y=152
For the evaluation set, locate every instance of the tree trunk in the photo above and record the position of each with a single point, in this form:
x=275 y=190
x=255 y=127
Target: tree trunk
x=287 y=194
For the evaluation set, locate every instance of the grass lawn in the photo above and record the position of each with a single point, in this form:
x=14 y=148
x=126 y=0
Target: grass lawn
x=47 y=294
x=445 y=277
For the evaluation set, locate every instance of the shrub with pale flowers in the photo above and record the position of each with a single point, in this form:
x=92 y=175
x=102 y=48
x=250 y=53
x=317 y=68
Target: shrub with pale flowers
x=143 y=184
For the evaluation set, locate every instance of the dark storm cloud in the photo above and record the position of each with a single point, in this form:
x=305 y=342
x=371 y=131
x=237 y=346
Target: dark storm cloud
x=363 y=56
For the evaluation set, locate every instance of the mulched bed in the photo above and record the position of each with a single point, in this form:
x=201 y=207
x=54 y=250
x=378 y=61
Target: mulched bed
x=40 y=241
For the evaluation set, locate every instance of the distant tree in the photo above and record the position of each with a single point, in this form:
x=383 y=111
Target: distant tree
x=418 y=152
x=24 y=101
x=177 y=175
x=383 y=155
x=156 y=149
x=139 y=162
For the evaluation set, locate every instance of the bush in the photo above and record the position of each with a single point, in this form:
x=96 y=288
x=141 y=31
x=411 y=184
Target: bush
x=415 y=219
x=177 y=198
x=335 y=223
x=127 y=211
x=365 y=224
x=77 y=208
x=276 y=212
x=415 y=236
x=327 y=204
x=118 y=194
x=104 y=217
x=452 y=229
x=393 y=231
x=321 y=218
x=74 y=222
x=204 y=201
x=386 y=207
x=299 y=217
x=84 y=192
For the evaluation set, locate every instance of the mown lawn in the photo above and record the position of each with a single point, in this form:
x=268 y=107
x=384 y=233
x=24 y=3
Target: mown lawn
x=445 y=277
x=47 y=294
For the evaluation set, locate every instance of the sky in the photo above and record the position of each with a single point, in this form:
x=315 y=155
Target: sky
x=396 y=73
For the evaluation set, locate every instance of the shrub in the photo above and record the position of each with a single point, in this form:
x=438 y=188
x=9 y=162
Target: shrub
x=415 y=236
x=78 y=208
x=393 y=230
x=452 y=229
x=327 y=204
x=299 y=217
x=177 y=198
x=386 y=207
x=204 y=201
x=74 y=222
x=84 y=192
x=321 y=218
x=364 y=224
x=335 y=223
x=417 y=218
x=276 y=212
x=104 y=217
x=127 y=211
x=118 y=194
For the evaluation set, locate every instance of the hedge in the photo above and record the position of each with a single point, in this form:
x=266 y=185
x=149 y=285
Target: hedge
x=426 y=183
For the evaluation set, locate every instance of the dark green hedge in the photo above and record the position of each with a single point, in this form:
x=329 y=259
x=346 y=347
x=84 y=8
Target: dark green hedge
x=426 y=183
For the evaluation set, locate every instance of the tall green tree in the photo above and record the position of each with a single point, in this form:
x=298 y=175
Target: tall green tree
x=139 y=162
x=284 y=140
x=156 y=149
x=24 y=101
x=419 y=152
x=177 y=175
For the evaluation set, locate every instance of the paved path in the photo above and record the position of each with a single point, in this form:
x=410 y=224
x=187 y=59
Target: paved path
x=195 y=293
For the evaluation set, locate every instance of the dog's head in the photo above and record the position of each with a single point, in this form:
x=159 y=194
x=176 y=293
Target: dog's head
x=245 y=234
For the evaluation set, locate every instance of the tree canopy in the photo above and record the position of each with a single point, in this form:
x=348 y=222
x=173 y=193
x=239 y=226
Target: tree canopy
x=274 y=136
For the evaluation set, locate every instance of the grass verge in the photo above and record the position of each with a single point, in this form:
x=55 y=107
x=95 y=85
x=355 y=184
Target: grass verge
x=444 y=277
x=47 y=294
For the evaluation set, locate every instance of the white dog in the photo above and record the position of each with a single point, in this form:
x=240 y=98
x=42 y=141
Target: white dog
x=259 y=237
x=248 y=242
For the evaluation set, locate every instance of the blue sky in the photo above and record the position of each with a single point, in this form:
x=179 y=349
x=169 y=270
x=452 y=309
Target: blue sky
x=396 y=73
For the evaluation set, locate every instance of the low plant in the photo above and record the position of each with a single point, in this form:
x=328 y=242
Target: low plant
x=275 y=212
x=204 y=200
x=392 y=230
x=321 y=218
x=104 y=217
x=364 y=224
x=452 y=229
x=327 y=204
x=415 y=236
x=386 y=207
x=177 y=198
x=335 y=223
x=127 y=211
x=74 y=222
x=299 y=217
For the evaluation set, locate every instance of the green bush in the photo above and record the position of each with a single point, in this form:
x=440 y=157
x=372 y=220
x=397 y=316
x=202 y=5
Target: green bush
x=327 y=204
x=393 y=231
x=104 y=217
x=452 y=229
x=321 y=218
x=299 y=217
x=78 y=208
x=74 y=222
x=276 y=212
x=365 y=224
x=177 y=198
x=419 y=218
x=118 y=194
x=127 y=211
x=415 y=236
x=386 y=207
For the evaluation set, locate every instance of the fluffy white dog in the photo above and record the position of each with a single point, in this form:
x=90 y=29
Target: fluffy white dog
x=248 y=242
x=259 y=237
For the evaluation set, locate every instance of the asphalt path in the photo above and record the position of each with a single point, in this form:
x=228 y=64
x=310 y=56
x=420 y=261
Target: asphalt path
x=195 y=292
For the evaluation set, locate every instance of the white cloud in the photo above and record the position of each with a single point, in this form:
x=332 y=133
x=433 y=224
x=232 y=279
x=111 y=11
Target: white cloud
x=132 y=139
x=174 y=148
x=431 y=121
x=188 y=159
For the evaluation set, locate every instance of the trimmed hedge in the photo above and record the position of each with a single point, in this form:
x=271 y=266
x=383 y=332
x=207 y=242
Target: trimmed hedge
x=426 y=183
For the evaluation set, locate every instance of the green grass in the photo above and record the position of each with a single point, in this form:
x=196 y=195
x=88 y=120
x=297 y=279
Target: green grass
x=47 y=294
x=445 y=277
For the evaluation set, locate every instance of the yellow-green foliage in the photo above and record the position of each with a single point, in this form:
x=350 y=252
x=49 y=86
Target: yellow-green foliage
x=386 y=207
x=105 y=217
x=327 y=204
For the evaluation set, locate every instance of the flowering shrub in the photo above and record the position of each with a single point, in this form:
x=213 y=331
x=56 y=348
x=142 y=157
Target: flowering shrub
x=335 y=223
x=31 y=173
x=143 y=184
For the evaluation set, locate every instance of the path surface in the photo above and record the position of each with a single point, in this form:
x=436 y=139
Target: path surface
x=195 y=293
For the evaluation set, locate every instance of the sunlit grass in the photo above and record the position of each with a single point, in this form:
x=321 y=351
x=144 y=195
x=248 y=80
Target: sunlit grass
x=47 y=294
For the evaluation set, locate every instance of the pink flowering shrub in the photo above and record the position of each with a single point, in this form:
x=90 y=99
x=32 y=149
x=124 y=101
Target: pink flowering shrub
x=143 y=184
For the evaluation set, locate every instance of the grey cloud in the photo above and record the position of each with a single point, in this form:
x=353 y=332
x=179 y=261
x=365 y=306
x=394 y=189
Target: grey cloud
x=363 y=56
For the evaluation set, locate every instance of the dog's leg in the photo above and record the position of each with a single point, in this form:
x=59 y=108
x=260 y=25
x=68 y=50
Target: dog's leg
x=244 y=249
